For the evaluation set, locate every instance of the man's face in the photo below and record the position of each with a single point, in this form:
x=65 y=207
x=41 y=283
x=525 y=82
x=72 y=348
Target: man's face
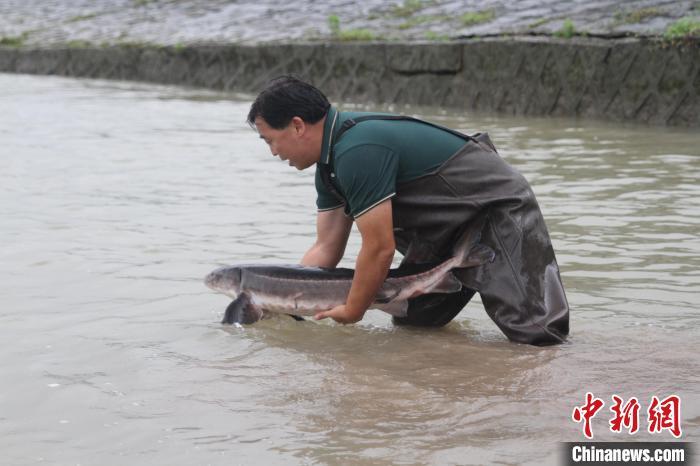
x=289 y=143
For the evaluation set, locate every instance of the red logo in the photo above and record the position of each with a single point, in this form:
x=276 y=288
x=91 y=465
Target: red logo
x=626 y=416
x=665 y=414
x=587 y=412
x=661 y=415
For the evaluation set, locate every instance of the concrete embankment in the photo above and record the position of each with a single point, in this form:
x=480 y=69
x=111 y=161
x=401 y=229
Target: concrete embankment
x=650 y=81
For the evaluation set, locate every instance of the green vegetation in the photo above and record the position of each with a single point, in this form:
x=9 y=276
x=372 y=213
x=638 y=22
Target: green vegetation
x=409 y=7
x=78 y=44
x=76 y=19
x=357 y=34
x=12 y=41
x=418 y=20
x=567 y=30
x=683 y=28
x=637 y=16
x=539 y=23
x=135 y=44
x=348 y=34
x=478 y=17
x=432 y=35
x=334 y=24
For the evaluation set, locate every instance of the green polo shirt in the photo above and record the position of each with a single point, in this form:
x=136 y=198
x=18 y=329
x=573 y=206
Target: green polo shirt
x=372 y=158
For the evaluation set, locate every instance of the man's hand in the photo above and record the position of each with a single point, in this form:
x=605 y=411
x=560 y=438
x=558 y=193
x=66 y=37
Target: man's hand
x=341 y=314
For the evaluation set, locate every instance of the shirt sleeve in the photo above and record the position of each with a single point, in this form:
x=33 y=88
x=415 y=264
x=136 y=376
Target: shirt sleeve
x=367 y=176
x=324 y=199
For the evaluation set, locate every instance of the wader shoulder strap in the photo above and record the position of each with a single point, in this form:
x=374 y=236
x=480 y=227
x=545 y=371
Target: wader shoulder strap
x=353 y=121
x=327 y=170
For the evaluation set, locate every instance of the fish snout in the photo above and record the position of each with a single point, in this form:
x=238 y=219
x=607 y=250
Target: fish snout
x=212 y=279
x=224 y=280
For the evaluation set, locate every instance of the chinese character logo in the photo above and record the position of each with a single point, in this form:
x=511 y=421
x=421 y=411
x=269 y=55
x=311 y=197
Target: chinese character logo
x=587 y=412
x=665 y=414
x=662 y=415
x=626 y=416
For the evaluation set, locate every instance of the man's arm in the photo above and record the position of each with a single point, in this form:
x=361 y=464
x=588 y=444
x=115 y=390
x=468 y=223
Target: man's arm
x=332 y=231
x=372 y=266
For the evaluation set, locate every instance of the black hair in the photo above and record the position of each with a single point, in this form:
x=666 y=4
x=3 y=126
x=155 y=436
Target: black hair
x=286 y=97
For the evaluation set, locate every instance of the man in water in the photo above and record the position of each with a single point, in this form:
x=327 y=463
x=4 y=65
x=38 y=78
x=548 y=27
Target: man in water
x=416 y=187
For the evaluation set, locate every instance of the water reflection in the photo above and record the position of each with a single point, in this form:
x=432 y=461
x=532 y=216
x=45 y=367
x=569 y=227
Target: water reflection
x=408 y=393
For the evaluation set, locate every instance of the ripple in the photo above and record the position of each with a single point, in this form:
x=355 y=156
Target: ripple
x=105 y=241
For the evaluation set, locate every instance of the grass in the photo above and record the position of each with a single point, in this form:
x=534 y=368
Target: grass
x=12 y=41
x=409 y=7
x=135 y=44
x=637 y=16
x=567 y=31
x=478 y=17
x=357 y=34
x=539 y=23
x=418 y=20
x=432 y=35
x=334 y=24
x=684 y=27
x=78 y=44
x=348 y=34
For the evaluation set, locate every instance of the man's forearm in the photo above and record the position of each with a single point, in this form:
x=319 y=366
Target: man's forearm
x=371 y=269
x=332 y=231
x=318 y=256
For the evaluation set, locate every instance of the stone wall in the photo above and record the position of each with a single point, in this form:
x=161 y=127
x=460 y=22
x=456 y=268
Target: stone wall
x=647 y=81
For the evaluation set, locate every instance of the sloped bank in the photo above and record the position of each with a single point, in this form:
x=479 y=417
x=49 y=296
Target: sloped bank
x=647 y=81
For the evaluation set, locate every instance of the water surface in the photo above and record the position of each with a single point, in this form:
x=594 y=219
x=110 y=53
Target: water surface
x=117 y=199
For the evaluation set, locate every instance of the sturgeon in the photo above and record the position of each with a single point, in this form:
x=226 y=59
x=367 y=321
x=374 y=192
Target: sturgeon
x=303 y=291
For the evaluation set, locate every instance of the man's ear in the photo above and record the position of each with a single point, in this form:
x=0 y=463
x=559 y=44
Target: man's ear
x=298 y=125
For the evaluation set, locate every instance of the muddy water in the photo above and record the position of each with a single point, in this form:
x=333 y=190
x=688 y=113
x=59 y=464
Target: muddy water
x=117 y=198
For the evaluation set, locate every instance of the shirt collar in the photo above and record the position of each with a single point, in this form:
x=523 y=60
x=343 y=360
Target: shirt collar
x=329 y=130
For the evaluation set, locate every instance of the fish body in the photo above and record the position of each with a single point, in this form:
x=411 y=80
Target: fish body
x=304 y=291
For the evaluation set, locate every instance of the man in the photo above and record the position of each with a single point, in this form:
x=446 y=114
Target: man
x=415 y=187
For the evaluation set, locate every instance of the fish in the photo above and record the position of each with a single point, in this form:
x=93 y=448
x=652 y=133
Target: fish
x=259 y=290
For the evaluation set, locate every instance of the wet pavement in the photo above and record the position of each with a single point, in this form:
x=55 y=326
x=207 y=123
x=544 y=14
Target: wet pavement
x=33 y=22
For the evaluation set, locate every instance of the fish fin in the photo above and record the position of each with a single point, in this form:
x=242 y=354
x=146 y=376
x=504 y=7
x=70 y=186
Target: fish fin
x=447 y=284
x=467 y=241
x=469 y=251
x=478 y=255
x=386 y=293
x=242 y=311
x=396 y=308
x=293 y=316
